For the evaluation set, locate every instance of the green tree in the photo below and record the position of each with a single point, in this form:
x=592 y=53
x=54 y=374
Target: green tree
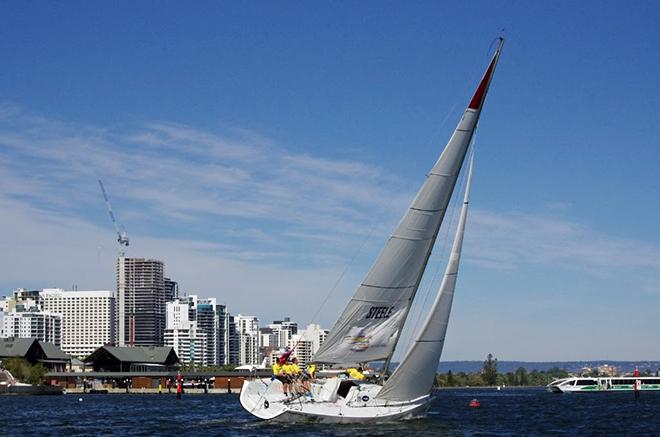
x=22 y=370
x=19 y=367
x=475 y=380
x=37 y=374
x=556 y=373
x=489 y=371
x=521 y=376
x=450 y=379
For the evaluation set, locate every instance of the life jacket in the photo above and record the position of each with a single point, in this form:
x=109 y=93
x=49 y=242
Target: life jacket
x=355 y=374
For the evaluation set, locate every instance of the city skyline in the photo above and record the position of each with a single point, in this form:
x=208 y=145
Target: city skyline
x=266 y=168
x=202 y=332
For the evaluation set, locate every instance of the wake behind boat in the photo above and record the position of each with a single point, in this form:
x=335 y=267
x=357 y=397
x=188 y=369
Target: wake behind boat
x=370 y=326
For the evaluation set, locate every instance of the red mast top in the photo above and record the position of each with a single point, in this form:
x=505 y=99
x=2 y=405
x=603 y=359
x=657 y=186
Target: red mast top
x=480 y=94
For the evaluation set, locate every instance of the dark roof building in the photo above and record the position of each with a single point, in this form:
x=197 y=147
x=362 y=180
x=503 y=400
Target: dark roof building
x=133 y=359
x=34 y=351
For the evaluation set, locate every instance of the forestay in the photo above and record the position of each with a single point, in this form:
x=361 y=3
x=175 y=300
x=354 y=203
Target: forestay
x=369 y=327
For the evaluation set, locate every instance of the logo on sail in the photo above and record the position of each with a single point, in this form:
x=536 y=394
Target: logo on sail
x=359 y=343
x=379 y=312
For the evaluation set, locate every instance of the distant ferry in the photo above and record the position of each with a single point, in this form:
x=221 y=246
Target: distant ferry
x=615 y=383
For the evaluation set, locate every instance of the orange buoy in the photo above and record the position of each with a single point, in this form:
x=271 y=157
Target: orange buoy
x=474 y=403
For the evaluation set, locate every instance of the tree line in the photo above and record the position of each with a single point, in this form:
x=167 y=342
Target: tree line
x=489 y=376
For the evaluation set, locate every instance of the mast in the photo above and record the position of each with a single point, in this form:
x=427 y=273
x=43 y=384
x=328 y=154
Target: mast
x=371 y=324
x=475 y=105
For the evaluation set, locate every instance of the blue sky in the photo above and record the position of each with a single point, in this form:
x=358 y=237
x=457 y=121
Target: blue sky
x=257 y=148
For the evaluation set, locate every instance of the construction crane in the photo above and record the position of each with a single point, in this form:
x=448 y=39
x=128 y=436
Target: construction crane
x=129 y=297
x=122 y=236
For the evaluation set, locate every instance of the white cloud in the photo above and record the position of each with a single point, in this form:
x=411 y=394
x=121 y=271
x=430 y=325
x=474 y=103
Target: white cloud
x=516 y=240
x=267 y=231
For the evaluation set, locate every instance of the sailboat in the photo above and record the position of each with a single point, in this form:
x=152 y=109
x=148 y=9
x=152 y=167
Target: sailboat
x=370 y=326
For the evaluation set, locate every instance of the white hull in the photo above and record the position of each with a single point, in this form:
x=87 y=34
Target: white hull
x=604 y=384
x=265 y=399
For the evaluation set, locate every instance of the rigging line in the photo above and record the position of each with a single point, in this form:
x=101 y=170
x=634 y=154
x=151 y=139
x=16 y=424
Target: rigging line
x=495 y=41
x=343 y=273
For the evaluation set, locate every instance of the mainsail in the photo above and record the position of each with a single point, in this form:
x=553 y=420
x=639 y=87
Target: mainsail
x=414 y=375
x=370 y=326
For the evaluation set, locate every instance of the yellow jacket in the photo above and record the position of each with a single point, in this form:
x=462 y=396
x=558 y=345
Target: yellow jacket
x=277 y=369
x=291 y=369
x=355 y=374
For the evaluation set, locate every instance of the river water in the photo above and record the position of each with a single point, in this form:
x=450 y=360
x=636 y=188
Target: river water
x=506 y=412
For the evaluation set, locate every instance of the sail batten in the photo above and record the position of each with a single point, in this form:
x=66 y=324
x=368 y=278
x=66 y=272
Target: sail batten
x=371 y=323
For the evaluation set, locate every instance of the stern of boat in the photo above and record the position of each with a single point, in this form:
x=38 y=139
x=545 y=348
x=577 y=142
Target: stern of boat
x=263 y=398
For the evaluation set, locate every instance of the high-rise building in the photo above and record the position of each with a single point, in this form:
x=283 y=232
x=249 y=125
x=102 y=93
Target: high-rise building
x=88 y=318
x=140 y=302
x=210 y=319
x=184 y=335
x=42 y=325
x=207 y=322
x=222 y=334
x=22 y=315
x=21 y=300
x=269 y=342
x=233 y=356
x=247 y=339
x=307 y=342
x=171 y=289
x=283 y=331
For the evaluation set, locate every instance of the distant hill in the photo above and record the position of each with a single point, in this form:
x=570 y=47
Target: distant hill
x=569 y=366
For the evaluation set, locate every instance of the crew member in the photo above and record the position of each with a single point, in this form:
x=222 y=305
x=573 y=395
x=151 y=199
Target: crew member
x=280 y=374
x=301 y=376
x=292 y=370
x=355 y=373
x=311 y=370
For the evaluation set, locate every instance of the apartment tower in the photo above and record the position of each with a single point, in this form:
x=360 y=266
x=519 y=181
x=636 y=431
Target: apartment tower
x=140 y=302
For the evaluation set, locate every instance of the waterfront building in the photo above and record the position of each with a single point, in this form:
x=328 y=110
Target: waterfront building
x=41 y=325
x=133 y=359
x=88 y=318
x=34 y=351
x=140 y=302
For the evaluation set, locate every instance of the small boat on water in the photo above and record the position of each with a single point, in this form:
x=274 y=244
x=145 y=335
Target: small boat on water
x=370 y=327
x=604 y=384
